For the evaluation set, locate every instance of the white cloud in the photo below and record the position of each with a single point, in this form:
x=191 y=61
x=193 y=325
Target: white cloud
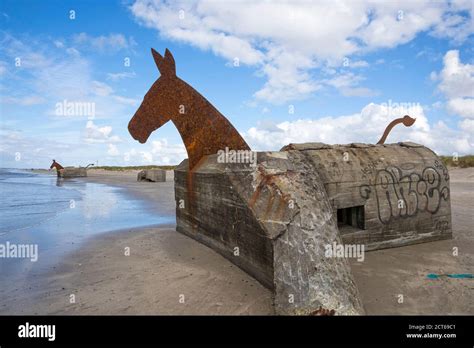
x=21 y=53
x=455 y=26
x=147 y=157
x=359 y=64
x=104 y=43
x=365 y=126
x=457 y=79
x=462 y=106
x=127 y=101
x=57 y=74
x=120 y=76
x=58 y=44
x=101 y=89
x=348 y=84
x=23 y=151
x=398 y=22
x=134 y=157
x=158 y=152
x=457 y=84
x=287 y=78
x=112 y=150
x=162 y=147
x=467 y=125
x=96 y=134
x=287 y=40
x=25 y=101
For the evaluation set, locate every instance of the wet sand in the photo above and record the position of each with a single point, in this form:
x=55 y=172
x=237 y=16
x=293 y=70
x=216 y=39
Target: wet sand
x=164 y=273
x=168 y=273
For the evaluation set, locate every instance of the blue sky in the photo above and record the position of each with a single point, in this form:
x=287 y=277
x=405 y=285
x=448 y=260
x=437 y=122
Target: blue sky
x=281 y=72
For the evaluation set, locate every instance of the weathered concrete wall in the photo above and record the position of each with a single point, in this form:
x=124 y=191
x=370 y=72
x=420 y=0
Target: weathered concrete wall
x=169 y=175
x=72 y=172
x=272 y=220
x=404 y=189
x=154 y=175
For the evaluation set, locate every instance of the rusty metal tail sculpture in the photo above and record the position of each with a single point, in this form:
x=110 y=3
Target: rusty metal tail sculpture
x=406 y=120
x=202 y=127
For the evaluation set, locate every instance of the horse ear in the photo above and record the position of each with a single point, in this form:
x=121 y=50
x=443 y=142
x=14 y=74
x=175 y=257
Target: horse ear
x=158 y=58
x=170 y=61
x=165 y=65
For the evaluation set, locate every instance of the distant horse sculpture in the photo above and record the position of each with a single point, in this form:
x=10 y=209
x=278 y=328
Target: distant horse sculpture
x=202 y=127
x=69 y=172
x=406 y=120
x=57 y=166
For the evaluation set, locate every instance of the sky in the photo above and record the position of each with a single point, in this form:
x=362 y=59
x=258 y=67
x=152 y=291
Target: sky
x=73 y=73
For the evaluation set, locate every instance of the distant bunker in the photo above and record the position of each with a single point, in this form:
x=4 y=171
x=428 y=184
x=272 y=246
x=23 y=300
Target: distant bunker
x=276 y=217
x=72 y=172
x=152 y=175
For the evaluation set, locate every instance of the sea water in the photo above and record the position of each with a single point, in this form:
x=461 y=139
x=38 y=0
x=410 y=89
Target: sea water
x=56 y=215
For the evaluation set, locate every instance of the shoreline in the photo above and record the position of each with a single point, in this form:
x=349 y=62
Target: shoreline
x=164 y=265
x=164 y=273
x=160 y=195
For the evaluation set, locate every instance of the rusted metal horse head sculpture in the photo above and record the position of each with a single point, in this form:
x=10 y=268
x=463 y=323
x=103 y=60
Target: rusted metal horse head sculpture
x=202 y=127
x=406 y=120
x=56 y=165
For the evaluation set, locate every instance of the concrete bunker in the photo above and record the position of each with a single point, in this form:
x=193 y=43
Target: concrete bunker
x=280 y=214
x=273 y=220
x=73 y=172
x=152 y=175
x=276 y=216
x=69 y=172
x=384 y=195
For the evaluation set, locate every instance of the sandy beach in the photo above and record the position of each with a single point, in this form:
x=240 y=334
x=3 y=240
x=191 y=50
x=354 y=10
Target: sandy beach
x=164 y=273
x=386 y=274
x=168 y=273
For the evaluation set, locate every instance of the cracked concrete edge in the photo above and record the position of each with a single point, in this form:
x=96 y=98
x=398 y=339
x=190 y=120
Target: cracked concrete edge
x=300 y=287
